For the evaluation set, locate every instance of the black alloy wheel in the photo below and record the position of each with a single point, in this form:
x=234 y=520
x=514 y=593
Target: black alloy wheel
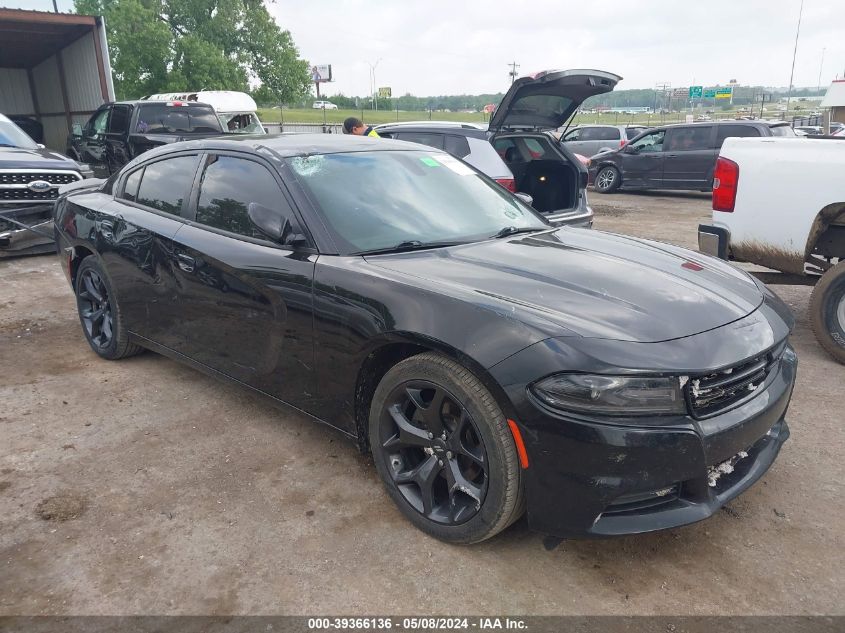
x=99 y=313
x=434 y=452
x=92 y=300
x=444 y=450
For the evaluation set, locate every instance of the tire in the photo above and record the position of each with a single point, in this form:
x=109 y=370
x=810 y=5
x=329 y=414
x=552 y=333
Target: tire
x=608 y=179
x=827 y=311
x=463 y=485
x=99 y=313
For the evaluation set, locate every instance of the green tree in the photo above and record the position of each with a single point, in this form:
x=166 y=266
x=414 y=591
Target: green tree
x=174 y=45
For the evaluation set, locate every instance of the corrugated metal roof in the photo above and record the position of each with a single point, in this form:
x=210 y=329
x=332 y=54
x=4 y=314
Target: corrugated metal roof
x=835 y=95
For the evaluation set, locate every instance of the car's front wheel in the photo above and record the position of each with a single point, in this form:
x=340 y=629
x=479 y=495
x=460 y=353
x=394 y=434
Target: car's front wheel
x=608 y=179
x=827 y=311
x=443 y=448
x=99 y=313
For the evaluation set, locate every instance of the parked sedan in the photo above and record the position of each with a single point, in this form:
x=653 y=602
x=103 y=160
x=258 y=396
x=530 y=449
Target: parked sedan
x=489 y=361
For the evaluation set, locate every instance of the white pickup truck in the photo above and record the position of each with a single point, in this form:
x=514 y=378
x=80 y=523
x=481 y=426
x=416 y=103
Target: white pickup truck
x=780 y=203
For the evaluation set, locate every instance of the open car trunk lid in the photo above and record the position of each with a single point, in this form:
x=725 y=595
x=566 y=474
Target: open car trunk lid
x=545 y=100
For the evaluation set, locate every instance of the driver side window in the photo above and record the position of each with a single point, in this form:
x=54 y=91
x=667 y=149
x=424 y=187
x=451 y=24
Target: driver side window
x=573 y=135
x=650 y=142
x=97 y=125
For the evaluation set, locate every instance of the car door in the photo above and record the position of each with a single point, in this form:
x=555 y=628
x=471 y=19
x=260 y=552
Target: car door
x=593 y=139
x=92 y=146
x=146 y=212
x=116 y=143
x=245 y=301
x=690 y=155
x=641 y=162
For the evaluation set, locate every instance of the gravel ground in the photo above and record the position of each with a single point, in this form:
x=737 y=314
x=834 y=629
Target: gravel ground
x=144 y=487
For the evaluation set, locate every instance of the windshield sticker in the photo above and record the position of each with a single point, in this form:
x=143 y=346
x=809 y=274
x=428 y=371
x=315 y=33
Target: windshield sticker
x=428 y=160
x=308 y=165
x=456 y=166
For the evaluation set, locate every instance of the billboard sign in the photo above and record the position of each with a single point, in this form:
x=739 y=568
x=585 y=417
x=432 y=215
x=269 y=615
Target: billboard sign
x=695 y=92
x=321 y=73
x=384 y=92
x=724 y=93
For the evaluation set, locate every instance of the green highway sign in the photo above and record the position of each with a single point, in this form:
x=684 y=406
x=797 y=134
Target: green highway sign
x=724 y=93
x=710 y=93
x=695 y=92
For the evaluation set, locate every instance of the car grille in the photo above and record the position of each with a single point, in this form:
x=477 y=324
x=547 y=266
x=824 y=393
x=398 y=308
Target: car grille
x=711 y=394
x=15 y=185
x=26 y=194
x=24 y=178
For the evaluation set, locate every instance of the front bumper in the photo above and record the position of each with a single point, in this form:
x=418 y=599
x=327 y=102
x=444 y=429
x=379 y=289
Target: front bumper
x=599 y=477
x=16 y=240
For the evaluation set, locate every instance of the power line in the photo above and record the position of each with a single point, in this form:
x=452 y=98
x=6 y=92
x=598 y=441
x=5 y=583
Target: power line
x=513 y=72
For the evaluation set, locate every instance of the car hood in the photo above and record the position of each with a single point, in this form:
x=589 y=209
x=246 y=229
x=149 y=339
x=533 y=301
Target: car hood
x=547 y=99
x=21 y=158
x=587 y=283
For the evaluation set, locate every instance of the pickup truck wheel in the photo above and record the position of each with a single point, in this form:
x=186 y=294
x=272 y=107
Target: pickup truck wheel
x=608 y=179
x=827 y=311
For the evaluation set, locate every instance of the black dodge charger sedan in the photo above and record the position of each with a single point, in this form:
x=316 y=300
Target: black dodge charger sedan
x=491 y=363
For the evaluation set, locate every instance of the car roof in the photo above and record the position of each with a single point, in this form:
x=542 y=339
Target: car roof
x=452 y=127
x=287 y=145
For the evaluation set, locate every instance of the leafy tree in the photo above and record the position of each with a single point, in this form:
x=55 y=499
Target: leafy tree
x=175 y=45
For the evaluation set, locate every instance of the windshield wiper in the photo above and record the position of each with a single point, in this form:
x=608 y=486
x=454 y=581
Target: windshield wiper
x=408 y=245
x=512 y=230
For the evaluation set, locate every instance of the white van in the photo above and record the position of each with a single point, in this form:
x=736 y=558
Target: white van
x=236 y=110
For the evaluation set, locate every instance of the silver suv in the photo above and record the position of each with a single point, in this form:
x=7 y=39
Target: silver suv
x=589 y=140
x=520 y=137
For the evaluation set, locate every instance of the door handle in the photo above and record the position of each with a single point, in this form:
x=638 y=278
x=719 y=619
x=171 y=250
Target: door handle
x=186 y=262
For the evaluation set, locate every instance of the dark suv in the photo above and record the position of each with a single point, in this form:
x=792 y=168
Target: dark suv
x=673 y=156
x=118 y=132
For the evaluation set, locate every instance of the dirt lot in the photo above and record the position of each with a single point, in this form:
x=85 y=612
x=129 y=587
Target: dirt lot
x=144 y=487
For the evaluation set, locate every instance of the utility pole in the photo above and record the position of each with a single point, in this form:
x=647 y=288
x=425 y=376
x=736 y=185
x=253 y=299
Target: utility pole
x=794 y=53
x=662 y=88
x=55 y=6
x=513 y=72
x=821 y=65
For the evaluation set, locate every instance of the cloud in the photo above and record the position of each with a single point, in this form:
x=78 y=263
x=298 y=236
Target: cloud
x=452 y=47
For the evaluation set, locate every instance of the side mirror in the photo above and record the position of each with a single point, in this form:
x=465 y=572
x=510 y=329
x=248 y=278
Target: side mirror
x=76 y=130
x=41 y=146
x=274 y=225
x=525 y=198
x=630 y=149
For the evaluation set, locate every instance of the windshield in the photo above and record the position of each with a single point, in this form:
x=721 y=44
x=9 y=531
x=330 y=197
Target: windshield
x=160 y=118
x=241 y=123
x=379 y=200
x=12 y=136
x=782 y=130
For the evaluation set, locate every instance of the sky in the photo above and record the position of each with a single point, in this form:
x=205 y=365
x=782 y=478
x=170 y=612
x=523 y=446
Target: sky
x=436 y=47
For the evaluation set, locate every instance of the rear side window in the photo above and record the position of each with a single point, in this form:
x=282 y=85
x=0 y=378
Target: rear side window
x=160 y=118
x=166 y=183
x=119 y=120
x=228 y=186
x=728 y=131
x=599 y=134
x=423 y=138
x=535 y=148
x=130 y=189
x=456 y=146
x=687 y=139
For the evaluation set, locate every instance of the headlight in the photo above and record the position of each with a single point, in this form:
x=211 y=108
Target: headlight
x=612 y=395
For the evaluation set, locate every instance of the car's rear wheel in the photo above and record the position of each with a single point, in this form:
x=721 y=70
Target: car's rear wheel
x=99 y=313
x=443 y=448
x=608 y=179
x=827 y=311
